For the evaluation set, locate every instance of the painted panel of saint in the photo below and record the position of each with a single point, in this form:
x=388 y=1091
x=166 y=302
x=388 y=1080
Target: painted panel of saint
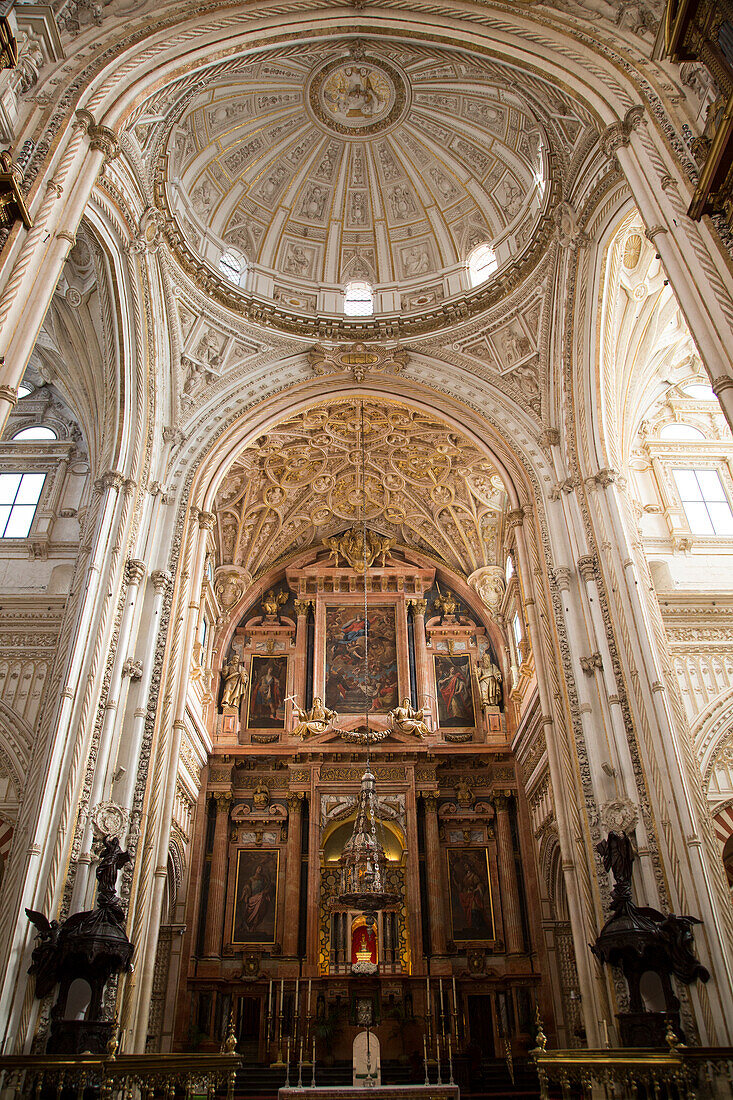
x=267 y=683
x=345 y=636
x=472 y=913
x=255 y=896
x=455 y=697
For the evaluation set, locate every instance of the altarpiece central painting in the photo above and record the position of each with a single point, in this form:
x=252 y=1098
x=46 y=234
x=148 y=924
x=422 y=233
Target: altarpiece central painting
x=345 y=642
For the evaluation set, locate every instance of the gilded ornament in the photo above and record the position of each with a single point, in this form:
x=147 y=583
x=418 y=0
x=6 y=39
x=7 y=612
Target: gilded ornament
x=272 y=602
x=358 y=551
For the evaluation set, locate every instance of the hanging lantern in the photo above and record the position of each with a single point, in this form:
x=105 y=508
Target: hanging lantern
x=363 y=864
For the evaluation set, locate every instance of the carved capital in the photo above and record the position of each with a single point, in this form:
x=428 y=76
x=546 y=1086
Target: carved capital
x=550 y=437
x=295 y=801
x=430 y=802
x=420 y=606
x=161 y=578
x=112 y=479
x=223 y=801
x=9 y=394
x=515 y=518
x=501 y=802
x=725 y=382
x=207 y=521
x=135 y=570
x=587 y=567
x=301 y=606
x=562 y=577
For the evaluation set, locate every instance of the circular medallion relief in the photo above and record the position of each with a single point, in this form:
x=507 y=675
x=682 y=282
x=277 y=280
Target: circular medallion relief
x=358 y=96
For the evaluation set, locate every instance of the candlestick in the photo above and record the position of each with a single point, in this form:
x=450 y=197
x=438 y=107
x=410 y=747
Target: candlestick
x=295 y=1028
x=313 y=1075
x=604 y=1025
x=425 y=1056
x=300 y=1065
x=442 y=1013
x=309 y=996
x=437 y=1056
x=450 y=1063
x=269 y=1000
x=287 y=1067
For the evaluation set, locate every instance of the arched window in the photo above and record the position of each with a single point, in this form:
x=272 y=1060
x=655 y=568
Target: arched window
x=38 y=431
x=24 y=389
x=358 y=300
x=481 y=263
x=681 y=432
x=19 y=496
x=509 y=571
x=700 y=391
x=232 y=266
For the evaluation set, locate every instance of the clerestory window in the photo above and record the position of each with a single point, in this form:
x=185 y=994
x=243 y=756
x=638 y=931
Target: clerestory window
x=705 y=502
x=19 y=496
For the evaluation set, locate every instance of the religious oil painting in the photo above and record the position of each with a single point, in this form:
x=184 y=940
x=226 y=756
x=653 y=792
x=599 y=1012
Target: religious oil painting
x=267 y=683
x=455 y=697
x=346 y=637
x=472 y=916
x=255 y=896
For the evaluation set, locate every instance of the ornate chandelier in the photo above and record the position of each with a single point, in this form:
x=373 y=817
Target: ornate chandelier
x=363 y=863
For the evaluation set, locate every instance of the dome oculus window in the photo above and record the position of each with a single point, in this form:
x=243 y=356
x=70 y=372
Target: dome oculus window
x=19 y=496
x=681 y=432
x=705 y=502
x=358 y=300
x=481 y=263
x=37 y=431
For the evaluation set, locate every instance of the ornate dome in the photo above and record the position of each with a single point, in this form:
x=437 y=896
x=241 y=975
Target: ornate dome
x=382 y=163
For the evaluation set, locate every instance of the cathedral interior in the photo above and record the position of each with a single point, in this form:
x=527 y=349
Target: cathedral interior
x=366 y=530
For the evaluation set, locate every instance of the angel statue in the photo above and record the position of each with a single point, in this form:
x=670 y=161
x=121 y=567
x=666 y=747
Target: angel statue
x=316 y=721
x=405 y=719
x=272 y=602
x=235 y=678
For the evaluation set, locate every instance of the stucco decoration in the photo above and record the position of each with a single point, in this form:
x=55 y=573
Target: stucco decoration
x=490 y=585
x=426 y=486
x=620 y=815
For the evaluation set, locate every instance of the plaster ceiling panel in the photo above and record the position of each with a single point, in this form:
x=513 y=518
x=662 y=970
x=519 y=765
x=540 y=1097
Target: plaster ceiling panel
x=426 y=486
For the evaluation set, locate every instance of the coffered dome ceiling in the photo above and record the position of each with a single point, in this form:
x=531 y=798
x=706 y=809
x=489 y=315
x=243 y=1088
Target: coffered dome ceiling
x=426 y=486
x=366 y=161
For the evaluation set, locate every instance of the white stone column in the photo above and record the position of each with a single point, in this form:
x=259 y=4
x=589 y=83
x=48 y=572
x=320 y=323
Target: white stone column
x=165 y=779
x=128 y=751
x=83 y=889
x=581 y=919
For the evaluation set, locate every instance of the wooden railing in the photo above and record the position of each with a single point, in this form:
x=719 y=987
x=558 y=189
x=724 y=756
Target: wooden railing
x=146 y=1075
